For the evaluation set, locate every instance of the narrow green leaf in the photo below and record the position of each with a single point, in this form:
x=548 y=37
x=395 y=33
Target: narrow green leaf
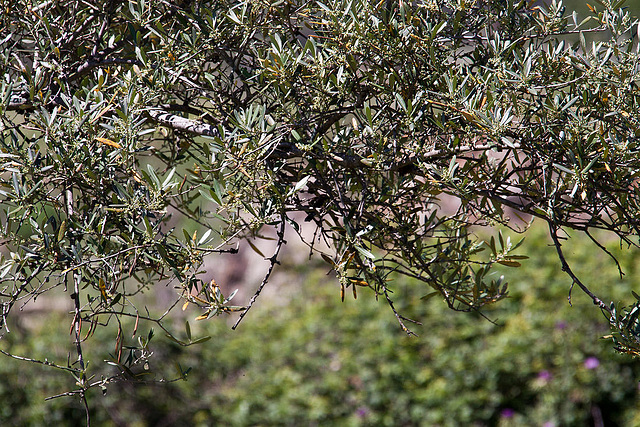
x=201 y=340
x=364 y=252
x=509 y=263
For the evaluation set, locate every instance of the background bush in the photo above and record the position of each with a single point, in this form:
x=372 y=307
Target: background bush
x=306 y=359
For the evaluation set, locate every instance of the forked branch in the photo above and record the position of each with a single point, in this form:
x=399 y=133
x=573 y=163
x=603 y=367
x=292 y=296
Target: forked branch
x=553 y=232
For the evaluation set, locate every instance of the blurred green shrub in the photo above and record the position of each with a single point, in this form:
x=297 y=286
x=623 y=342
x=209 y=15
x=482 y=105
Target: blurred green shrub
x=316 y=362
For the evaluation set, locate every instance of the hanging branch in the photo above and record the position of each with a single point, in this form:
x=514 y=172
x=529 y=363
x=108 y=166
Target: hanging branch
x=273 y=260
x=77 y=326
x=553 y=232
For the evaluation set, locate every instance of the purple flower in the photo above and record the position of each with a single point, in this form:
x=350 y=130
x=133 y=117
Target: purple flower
x=561 y=325
x=549 y=424
x=507 y=413
x=591 y=362
x=362 y=412
x=545 y=376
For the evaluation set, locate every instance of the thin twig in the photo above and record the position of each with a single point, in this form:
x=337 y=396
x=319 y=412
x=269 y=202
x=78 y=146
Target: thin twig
x=273 y=261
x=77 y=319
x=553 y=231
x=6 y=307
x=401 y=319
x=605 y=250
x=44 y=362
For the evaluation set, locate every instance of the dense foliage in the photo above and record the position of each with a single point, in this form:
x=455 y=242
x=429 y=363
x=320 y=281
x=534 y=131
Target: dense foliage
x=139 y=137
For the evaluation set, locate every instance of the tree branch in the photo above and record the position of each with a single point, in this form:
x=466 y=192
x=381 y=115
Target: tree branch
x=6 y=307
x=553 y=231
x=44 y=362
x=182 y=124
x=273 y=260
x=89 y=65
x=77 y=325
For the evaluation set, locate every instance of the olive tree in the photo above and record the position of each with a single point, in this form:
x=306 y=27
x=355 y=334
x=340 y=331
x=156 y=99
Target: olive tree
x=139 y=137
